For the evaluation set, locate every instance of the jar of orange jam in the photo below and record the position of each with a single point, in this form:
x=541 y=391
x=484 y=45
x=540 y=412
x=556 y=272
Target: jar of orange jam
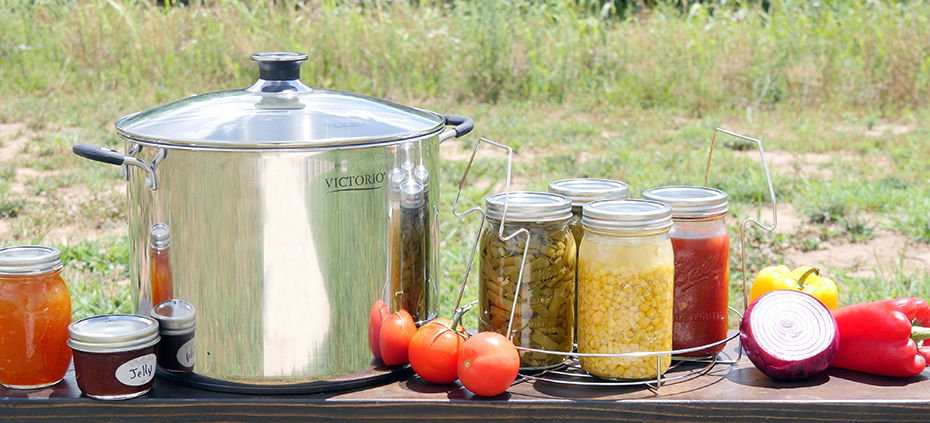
x=35 y=311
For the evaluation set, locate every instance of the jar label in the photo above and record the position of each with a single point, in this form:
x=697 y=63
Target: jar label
x=138 y=371
x=186 y=354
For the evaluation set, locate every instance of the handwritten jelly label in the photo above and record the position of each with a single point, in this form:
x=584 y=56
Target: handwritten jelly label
x=186 y=354
x=138 y=371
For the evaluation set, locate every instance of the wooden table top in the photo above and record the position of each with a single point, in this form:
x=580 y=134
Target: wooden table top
x=726 y=393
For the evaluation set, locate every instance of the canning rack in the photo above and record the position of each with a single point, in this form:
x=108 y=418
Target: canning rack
x=569 y=372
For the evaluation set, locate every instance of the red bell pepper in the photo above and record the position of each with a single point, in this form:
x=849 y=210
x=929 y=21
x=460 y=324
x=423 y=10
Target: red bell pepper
x=879 y=337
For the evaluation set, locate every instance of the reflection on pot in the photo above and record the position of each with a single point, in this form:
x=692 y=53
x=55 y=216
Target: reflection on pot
x=410 y=232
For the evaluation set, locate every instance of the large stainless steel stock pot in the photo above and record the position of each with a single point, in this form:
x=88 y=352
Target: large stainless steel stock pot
x=282 y=212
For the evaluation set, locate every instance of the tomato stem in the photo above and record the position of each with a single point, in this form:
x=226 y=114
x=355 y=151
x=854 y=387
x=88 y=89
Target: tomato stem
x=459 y=313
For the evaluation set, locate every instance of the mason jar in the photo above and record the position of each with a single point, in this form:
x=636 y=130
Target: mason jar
x=625 y=284
x=35 y=311
x=545 y=314
x=582 y=191
x=702 y=266
x=114 y=355
x=177 y=320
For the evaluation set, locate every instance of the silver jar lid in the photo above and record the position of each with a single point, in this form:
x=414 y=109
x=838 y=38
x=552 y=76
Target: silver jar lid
x=627 y=215
x=175 y=315
x=161 y=236
x=411 y=193
x=29 y=260
x=689 y=201
x=113 y=333
x=585 y=190
x=278 y=111
x=528 y=206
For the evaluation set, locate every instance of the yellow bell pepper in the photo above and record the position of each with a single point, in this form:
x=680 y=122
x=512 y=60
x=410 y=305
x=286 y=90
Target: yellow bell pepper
x=805 y=279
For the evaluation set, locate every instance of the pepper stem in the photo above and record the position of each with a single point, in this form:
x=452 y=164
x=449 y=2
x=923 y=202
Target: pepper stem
x=919 y=333
x=804 y=276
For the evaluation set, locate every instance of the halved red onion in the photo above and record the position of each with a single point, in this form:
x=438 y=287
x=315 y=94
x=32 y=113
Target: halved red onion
x=789 y=335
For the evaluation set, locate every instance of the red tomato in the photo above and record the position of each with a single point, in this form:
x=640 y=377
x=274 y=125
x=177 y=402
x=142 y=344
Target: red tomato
x=434 y=351
x=378 y=312
x=488 y=364
x=396 y=331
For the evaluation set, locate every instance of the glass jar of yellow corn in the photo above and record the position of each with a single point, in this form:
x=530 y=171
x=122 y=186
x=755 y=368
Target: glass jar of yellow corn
x=625 y=288
x=545 y=312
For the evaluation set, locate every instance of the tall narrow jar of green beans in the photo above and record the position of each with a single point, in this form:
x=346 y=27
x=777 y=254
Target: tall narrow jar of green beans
x=544 y=317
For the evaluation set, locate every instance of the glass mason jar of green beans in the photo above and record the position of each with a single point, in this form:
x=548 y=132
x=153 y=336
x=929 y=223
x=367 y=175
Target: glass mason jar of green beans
x=544 y=318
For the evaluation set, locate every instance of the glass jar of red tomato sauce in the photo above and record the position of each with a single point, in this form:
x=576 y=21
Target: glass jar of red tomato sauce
x=35 y=310
x=702 y=266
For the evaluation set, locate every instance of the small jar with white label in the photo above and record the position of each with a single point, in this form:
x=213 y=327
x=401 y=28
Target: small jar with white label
x=176 y=323
x=114 y=355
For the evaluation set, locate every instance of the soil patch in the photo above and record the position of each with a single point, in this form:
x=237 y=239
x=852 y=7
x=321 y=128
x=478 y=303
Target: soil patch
x=12 y=140
x=815 y=165
x=883 y=252
x=787 y=163
x=74 y=233
x=790 y=220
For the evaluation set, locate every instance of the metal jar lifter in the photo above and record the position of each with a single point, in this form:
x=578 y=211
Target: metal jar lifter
x=282 y=212
x=570 y=373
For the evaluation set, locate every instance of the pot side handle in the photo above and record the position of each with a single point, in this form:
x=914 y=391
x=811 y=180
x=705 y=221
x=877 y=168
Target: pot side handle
x=463 y=125
x=113 y=157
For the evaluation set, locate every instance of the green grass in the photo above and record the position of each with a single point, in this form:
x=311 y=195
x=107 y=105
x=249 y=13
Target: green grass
x=894 y=282
x=574 y=94
x=90 y=268
x=10 y=208
x=863 y=56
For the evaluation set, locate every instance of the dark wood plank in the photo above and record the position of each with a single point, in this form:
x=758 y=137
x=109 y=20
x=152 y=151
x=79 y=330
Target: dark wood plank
x=726 y=394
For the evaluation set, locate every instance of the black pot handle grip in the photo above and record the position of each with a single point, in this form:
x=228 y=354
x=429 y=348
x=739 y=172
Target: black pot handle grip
x=463 y=124
x=98 y=153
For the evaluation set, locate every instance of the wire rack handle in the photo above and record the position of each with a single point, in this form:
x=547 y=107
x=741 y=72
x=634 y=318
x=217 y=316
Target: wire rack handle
x=745 y=224
x=500 y=231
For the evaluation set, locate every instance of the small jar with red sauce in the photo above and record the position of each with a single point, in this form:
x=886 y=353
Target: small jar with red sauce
x=35 y=310
x=114 y=355
x=702 y=266
x=176 y=323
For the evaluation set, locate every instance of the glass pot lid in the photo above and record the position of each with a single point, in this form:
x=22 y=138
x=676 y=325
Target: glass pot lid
x=278 y=111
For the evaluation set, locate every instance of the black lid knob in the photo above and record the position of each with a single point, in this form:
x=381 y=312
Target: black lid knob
x=279 y=66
